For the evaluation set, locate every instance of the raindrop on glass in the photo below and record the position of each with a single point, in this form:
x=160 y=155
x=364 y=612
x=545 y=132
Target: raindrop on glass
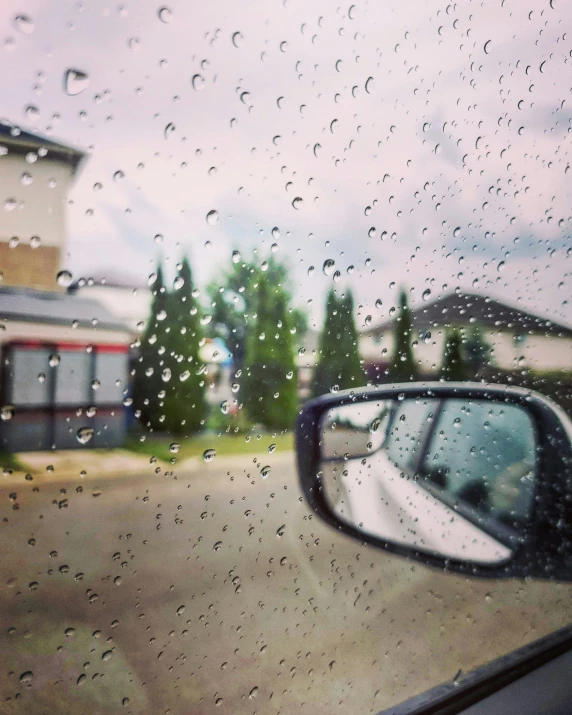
x=75 y=82
x=84 y=434
x=212 y=217
x=328 y=266
x=6 y=413
x=209 y=455
x=64 y=278
x=24 y=24
x=198 y=82
x=165 y=15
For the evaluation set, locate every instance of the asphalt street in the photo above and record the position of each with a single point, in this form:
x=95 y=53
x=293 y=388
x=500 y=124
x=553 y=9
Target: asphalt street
x=213 y=590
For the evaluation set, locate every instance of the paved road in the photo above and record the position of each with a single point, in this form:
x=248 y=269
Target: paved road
x=217 y=587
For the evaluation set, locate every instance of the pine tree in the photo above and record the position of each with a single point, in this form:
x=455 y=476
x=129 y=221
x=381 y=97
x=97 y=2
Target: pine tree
x=351 y=371
x=339 y=362
x=184 y=405
x=147 y=383
x=326 y=372
x=402 y=367
x=270 y=383
x=453 y=366
x=234 y=298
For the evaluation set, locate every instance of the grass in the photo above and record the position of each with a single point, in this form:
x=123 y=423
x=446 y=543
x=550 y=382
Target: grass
x=224 y=444
x=9 y=461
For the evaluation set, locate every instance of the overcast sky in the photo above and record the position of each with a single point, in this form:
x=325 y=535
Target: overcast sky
x=455 y=152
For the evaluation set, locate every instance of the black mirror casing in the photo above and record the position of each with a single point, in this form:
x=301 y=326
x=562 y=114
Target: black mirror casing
x=545 y=551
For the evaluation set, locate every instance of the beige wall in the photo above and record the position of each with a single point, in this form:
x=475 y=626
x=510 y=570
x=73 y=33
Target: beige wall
x=29 y=267
x=540 y=352
x=40 y=211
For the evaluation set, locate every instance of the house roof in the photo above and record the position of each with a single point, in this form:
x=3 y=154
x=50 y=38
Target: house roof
x=457 y=309
x=22 y=304
x=110 y=279
x=20 y=141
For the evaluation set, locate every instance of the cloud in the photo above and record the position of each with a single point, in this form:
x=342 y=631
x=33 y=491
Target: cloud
x=447 y=136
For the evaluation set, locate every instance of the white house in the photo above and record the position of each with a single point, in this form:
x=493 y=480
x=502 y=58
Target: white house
x=518 y=339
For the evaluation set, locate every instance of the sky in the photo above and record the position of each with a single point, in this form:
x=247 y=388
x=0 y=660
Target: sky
x=419 y=143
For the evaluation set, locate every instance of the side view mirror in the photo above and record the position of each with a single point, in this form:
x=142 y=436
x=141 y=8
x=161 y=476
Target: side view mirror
x=472 y=478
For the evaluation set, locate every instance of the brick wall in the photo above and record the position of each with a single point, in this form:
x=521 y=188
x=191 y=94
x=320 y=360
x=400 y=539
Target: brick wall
x=28 y=267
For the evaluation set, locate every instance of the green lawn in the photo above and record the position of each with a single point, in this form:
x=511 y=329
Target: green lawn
x=10 y=461
x=224 y=444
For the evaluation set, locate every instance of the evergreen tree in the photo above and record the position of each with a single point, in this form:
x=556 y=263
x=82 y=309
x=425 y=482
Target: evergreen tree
x=325 y=372
x=351 y=372
x=402 y=367
x=184 y=405
x=453 y=366
x=234 y=298
x=338 y=362
x=270 y=386
x=147 y=383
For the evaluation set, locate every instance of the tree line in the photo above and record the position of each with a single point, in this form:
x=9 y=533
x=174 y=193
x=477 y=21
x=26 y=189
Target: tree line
x=251 y=308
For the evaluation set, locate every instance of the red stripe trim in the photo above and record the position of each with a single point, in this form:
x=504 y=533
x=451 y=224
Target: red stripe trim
x=112 y=348
x=38 y=344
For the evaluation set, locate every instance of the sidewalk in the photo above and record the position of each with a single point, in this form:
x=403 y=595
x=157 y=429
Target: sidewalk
x=74 y=465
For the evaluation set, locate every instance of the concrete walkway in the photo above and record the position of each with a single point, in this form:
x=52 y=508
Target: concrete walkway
x=72 y=465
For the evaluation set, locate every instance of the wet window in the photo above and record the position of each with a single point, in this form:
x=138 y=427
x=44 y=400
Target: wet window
x=210 y=214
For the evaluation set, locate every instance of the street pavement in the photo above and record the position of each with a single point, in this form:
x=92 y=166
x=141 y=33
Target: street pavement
x=206 y=588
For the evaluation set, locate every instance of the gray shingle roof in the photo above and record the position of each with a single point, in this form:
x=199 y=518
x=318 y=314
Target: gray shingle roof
x=456 y=309
x=18 y=140
x=21 y=304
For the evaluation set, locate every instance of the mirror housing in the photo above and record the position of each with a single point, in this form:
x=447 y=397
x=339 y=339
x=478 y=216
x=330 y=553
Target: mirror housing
x=542 y=548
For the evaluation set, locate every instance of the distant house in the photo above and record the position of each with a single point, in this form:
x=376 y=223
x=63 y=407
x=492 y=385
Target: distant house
x=64 y=359
x=64 y=370
x=517 y=339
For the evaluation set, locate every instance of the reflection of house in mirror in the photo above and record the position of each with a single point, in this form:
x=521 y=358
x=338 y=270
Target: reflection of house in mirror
x=510 y=338
x=64 y=366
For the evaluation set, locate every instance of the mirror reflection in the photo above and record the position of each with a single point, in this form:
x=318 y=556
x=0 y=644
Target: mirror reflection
x=452 y=476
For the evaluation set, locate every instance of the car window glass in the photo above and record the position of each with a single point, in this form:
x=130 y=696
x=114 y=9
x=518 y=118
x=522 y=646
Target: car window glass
x=483 y=455
x=409 y=426
x=212 y=213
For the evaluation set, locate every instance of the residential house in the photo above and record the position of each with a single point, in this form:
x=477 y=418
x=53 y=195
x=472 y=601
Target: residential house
x=517 y=339
x=63 y=359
